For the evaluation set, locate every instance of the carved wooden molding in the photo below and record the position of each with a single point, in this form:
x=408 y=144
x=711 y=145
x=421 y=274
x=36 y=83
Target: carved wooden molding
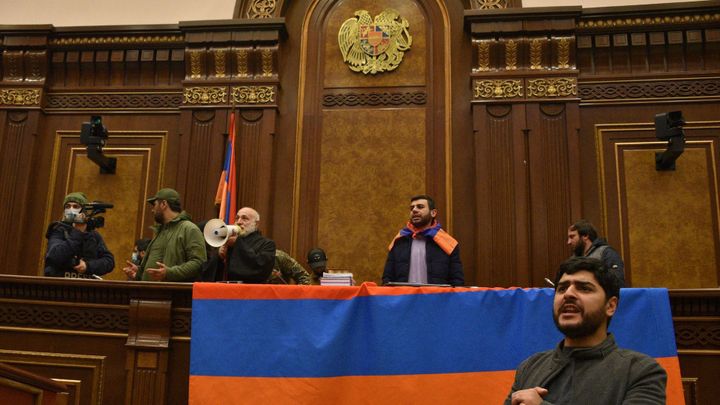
x=180 y=324
x=498 y=89
x=20 y=97
x=544 y=88
x=117 y=40
x=242 y=62
x=513 y=53
x=234 y=95
x=649 y=90
x=696 y=315
x=253 y=95
x=630 y=21
x=483 y=55
x=205 y=95
x=697 y=335
x=374 y=99
x=113 y=101
x=75 y=318
x=494 y=4
x=261 y=9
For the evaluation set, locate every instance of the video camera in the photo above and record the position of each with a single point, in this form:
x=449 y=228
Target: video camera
x=90 y=210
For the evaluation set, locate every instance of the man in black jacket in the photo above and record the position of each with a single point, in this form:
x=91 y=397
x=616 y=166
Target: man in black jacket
x=74 y=250
x=583 y=240
x=422 y=252
x=250 y=256
x=587 y=367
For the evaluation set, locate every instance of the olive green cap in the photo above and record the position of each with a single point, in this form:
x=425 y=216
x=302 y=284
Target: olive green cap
x=166 y=194
x=76 y=197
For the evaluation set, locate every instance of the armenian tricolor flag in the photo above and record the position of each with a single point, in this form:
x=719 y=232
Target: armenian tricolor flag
x=263 y=344
x=226 y=195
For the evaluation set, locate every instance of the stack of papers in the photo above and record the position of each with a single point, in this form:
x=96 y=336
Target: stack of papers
x=337 y=279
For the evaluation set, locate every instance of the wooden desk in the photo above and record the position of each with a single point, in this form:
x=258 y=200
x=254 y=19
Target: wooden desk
x=117 y=342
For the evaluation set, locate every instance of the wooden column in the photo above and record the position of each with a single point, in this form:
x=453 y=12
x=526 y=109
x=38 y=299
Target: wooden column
x=525 y=124
x=23 y=70
x=230 y=66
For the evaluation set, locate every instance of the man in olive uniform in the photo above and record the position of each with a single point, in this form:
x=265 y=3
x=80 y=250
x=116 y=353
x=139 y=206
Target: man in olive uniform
x=286 y=268
x=177 y=252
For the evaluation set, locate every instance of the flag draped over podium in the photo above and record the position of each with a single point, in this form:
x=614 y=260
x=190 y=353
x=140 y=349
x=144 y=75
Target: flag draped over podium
x=311 y=345
x=226 y=195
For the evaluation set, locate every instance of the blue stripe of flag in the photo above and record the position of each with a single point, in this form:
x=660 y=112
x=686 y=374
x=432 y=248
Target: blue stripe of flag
x=407 y=334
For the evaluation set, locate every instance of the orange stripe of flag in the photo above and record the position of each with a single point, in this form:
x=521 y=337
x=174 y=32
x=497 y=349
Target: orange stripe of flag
x=289 y=292
x=461 y=388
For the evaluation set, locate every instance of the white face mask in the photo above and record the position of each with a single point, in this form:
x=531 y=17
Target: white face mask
x=135 y=259
x=70 y=215
x=69 y=211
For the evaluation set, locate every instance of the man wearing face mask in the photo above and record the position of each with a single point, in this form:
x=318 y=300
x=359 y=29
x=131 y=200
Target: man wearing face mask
x=74 y=250
x=137 y=255
x=177 y=251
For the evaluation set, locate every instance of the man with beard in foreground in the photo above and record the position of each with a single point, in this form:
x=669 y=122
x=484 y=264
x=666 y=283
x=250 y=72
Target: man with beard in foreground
x=250 y=256
x=583 y=240
x=587 y=367
x=422 y=252
x=177 y=252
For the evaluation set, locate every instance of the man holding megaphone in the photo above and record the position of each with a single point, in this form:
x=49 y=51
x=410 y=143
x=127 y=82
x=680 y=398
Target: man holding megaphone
x=249 y=255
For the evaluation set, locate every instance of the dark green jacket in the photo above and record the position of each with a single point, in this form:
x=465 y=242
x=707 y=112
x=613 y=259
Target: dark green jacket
x=179 y=245
x=603 y=375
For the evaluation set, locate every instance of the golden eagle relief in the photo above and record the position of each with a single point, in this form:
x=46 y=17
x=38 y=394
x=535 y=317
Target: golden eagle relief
x=374 y=46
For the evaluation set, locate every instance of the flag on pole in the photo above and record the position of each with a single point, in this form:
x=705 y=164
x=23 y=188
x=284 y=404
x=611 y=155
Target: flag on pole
x=226 y=194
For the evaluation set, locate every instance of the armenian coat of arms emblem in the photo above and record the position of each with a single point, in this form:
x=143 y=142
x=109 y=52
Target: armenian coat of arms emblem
x=374 y=46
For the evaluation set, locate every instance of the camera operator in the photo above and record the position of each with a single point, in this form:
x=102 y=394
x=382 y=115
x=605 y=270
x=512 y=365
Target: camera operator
x=75 y=249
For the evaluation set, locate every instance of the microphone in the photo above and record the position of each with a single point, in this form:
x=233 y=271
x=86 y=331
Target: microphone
x=98 y=205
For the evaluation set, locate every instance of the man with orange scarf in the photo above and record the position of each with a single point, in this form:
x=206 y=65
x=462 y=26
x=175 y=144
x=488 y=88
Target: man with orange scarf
x=422 y=252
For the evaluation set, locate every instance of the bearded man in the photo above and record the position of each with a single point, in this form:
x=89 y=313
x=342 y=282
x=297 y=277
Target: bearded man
x=422 y=252
x=587 y=367
x=583 y=240
x=177 y=252
x=250 y=256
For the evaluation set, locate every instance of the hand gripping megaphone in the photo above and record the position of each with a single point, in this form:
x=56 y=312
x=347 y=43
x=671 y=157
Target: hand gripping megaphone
x=217 y=232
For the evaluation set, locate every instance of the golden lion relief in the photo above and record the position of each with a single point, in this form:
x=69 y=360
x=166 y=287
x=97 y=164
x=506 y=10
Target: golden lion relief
x=374 y=46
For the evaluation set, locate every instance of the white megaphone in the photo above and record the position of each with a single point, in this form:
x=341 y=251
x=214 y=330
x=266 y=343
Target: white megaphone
x=217 y=232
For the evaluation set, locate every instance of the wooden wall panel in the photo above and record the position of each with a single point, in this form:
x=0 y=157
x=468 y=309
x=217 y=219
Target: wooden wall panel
x=667 y=221
x=17 y=167
x=254 y=153
x=367 y=175
x=666 y=208
x=501 y=158
x=200 y=160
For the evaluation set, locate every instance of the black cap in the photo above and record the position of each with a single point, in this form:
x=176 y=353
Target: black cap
x=316 y=258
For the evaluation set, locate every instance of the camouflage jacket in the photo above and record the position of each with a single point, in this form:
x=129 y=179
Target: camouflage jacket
x=286 y=268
